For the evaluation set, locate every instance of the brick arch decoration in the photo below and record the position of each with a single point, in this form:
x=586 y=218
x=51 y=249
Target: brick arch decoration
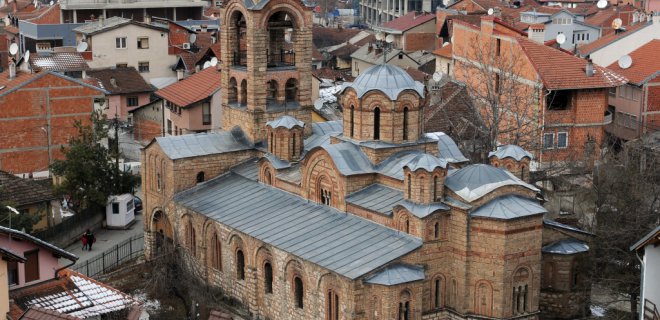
x=406 y=99
x=189 y=238
x=483 y=298
x=330 y=283
x=266 y=170
x=262 y=255
x=233 y=7
x=318 y=163
x=294 y=10
x=375 y=308
x=438 y=302
x=521 y=289
x=210 y=232
x=294 y=268
x=400 y=216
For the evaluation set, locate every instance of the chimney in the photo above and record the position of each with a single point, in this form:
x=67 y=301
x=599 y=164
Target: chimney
x=147 y=19
x=497 y=12
x=102 y=20
x=113 y=82
x=589 y=69
x=12 y=70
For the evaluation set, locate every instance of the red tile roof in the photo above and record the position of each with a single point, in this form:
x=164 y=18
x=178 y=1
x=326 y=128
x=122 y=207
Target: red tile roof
x=608 y=39
x=645 y=64
x=195 y=88
x=559 y=70
x=409 y=21
x=37 y=313
x=444 y=51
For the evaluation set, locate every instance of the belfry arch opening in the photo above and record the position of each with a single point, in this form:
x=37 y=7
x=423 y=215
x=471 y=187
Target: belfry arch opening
x=281 y=36
x=238 y=38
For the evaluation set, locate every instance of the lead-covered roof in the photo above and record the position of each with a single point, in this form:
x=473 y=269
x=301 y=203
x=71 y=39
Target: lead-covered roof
x=389 y=79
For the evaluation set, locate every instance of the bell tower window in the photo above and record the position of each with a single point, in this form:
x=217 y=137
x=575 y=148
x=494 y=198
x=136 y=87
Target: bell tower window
x=352 y=124
x=244 y=92
x=291 y=90
x=405 y=123
x=377 y=123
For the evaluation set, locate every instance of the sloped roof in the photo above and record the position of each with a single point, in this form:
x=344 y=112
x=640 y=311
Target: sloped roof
x=25 y=78
x=389 y=79
x=38 y=313
x=444 y=51
x=197 y=87
x=376 y=197
x=327 y=37
x=24 y=236
x=510 y=151
x=397 y=274
x=103 y=25
x=426 y=162
x=566 y=247
x=19 y=192
x=127 y=80
x=345 y=244
x=348 y=158
x=559 y=70
x=447 y=148
x=321 y=133
x=653 y=236
x=408 y=21
x=509 y=207
x=555 y=224
x=610 y=38
x=9 y=255
x=202 y=144
x=475 y=181
x=59 y=61
x=645 y=64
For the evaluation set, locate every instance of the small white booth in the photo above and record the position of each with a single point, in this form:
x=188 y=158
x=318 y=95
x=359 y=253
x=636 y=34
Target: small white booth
x=120 y=211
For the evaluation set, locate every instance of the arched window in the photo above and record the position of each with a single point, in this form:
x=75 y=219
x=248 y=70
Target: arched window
x=272 y=90
x=268 y=278
x=436 y=230
x=216 y=252
x=244 y=92
x=404 y=306
x=352 y=124
x=405 y=123
x=332 y=306
x=483 y=299
x=291 y=90
x=240 y=265
x=436 y=192
x=421 y=187
x=190 y=238
x=437 y=293
x=298 y=292
x=520 y=299
x=522 y=173
x=407 y=226
x=376 y=309
x=325 y=191
x=200 y=177
x=232 y=94
x=158 y=182
x=454 y=294
x=272 y=142
x=409 y=186
x=293 y=145
x=268 y=177
x=377 y=123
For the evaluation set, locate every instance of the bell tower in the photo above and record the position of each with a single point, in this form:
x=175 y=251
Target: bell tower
x=266 y=64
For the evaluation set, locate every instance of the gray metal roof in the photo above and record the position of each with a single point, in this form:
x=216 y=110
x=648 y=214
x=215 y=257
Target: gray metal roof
x=447 y=148
x=292 y=174
x=423 y=210
x=321 y=133
x=393 y=166
x=643 y=240
x=348 y=158
x=389 y=79
x=247 y=169
x=566 y=246
x=475 y=181
x=376 y=197
x=340 y=242
x=556 y=224
x=285 y=122
x=509 y=207
x=426 y=162
x=510 y=151
x=397 y=274
x=99 y=25
x=202 y=144
x=276 y=162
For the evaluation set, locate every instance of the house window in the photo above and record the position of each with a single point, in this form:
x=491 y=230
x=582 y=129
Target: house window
x=176 y=130
x=377 y=123
x=298 y=292
x=240 y=265
x=498 y=83
x=115 y=208
x=206 y=114
x=405 y=123
x=122 y=65
x=548 y=140
x=191 y=238
x=200 y=177
x=143 y=43
x=143 y=66
x=436 y=230
x=558 y=100
x=613 y=92
x=169 y=126
x=31 y=265
x=12 y=272
x=520 y=299
x=120 y=42
x=268 y=278
x=562 y=140
x=332 y=308
x=132 y=101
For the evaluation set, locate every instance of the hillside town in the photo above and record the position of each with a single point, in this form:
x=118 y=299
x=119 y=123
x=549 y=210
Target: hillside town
x=336 y=159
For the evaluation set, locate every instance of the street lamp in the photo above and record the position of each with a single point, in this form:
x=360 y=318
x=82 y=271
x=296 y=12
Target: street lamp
x=384 y=42
x=11 y=209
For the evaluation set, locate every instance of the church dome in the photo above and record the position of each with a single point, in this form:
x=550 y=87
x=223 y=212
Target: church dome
x=425 y=161
x=510 y=151
x=386 y=78
x=287 y=122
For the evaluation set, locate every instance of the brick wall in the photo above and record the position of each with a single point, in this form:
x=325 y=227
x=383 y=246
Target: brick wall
x=419 y=41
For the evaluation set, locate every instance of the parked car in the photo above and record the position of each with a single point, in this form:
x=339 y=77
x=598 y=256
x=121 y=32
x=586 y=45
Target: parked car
x=138 y=204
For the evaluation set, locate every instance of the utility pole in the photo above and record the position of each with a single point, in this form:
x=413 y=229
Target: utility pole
x=116 y=151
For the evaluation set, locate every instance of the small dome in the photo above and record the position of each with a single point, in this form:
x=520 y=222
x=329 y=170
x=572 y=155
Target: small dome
x=425 y=161
x=510 y=151
x=285 y=122
x=389 y=79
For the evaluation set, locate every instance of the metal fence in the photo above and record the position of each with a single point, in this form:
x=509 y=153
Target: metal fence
x=112 y=258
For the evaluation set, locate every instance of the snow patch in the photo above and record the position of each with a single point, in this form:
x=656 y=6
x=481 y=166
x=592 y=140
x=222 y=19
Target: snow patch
x=597 y=311
x=150 y=305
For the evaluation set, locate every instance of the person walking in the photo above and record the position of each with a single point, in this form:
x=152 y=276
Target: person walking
x=90 y=240
x=83 y=239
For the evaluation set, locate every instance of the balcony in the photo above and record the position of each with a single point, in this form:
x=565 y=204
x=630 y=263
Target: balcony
x=278 y=60
x=608 y=118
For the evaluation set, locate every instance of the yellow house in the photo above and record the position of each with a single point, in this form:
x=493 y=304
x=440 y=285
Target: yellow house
x=7 y=257
x=31 y=197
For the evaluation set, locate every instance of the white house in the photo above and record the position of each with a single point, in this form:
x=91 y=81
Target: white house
x=648 y=249
x=121 y=42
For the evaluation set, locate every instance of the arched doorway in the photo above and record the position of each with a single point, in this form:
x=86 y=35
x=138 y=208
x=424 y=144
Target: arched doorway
x=162 y=231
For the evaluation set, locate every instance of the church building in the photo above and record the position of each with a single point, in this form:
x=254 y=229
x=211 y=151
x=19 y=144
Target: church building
x=364 y=218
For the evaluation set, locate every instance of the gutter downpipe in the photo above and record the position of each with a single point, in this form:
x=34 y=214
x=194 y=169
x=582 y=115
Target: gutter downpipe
x=57 y=271
x=640 y=308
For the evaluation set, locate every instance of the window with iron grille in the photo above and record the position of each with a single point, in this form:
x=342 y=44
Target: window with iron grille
x=143 y=66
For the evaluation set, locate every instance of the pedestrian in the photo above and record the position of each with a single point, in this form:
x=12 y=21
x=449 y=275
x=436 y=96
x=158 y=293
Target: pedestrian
x=84 y=240
x=90 y=240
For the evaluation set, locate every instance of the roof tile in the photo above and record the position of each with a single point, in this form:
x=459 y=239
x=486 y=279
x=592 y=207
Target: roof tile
x=195 y=88
x=127 y=80
x=645 y=64
x=408 y=21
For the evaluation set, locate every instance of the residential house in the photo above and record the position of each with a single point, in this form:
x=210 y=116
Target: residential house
x=63 y=60
x=629 y=15
x=32 y=136
x=608 y=49
x=568 y=112
x=190 y=62
x=8 y=258
x=647 y=247
x=193 y=104
x=126 y=88
x=76 y=11
x=636 y=104
x=337 y=45
x=42 y=258
x=148 y=121
x=370 y=55
x=30 y=197
x=412 y=31
x=444 y=62
x=122 y=42
x=375 y=13
x=546 y=26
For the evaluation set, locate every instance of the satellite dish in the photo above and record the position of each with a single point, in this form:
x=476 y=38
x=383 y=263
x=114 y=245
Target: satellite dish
x=380 y=36
x=207 y=64
x=437 y=76
x=192 y=38
x=52 y=2
x=561 y=38
x=601 y=4
x=82 y=46
x=491 y=11
x=214 y=62
x=26 y=57
x=389 y=38
x=617 y=23
x=13 y=49
x=625 y=62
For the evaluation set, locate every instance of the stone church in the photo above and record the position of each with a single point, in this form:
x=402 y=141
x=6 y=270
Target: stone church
x=370 y=217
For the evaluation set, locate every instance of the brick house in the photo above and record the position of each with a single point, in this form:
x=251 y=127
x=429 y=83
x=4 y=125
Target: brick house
x=359 y=219
x=126 y=88
x=412 y=31
x=32 y=135
x=565 y=97
x=636 y=105
x=148 y=121
x=192 y=104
